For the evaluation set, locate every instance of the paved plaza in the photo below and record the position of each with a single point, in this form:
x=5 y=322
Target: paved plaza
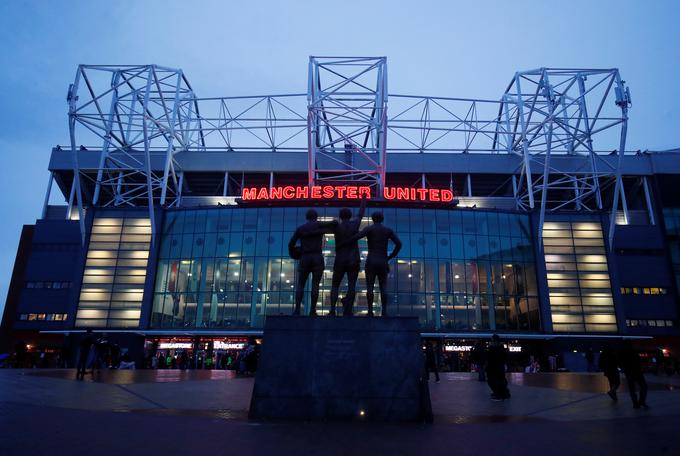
x=184 y=412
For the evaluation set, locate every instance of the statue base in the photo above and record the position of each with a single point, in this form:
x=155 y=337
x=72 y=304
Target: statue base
x=341 y=369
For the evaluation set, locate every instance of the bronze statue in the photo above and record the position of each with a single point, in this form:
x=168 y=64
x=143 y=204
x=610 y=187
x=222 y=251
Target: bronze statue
x=310 y=257
x=377 y=261
x=347 y=259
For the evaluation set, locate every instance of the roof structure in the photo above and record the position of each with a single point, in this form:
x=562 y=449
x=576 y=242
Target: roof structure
x=136 y=130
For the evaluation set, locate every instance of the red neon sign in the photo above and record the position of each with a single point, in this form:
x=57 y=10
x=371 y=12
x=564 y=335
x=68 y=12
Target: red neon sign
x=342 y=192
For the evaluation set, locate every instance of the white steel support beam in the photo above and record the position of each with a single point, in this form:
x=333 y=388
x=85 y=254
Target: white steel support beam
x=623 y=101
x=179 y=189
x=577 y=193
x=47 y=195
x=648 y=201
x=525 y=142
x=71 y=198
x=72 y=99
x=589 y=137
x=547 y=90
x=170 y=151
x=107 y=137
x=147 y=155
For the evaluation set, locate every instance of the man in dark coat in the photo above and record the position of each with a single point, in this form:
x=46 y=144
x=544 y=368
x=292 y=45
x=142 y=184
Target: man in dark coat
x=632 y=368
x=311 y=261
x=347 y=259
x=85 y=346
x=478 y=357
x=495 y=369
x=431 y=362
x=610 y=368
x=377 y=265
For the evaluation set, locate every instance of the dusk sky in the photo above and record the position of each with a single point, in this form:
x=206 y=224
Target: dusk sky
x=445 y=48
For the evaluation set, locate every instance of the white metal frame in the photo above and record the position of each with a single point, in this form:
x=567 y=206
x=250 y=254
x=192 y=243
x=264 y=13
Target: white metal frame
x=136 y=115
x=347 y=120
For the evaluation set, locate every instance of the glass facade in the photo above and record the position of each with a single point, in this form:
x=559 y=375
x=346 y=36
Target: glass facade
x=578 y=277
x=115 y=271
x=458 y=269
x=672 y=221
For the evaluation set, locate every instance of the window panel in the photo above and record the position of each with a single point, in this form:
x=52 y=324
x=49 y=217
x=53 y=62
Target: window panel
x=578 y=278
x=243 y=254
x=105 y=287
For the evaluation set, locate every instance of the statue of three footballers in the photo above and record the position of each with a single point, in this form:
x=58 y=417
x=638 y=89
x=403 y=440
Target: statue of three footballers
x=347 y=259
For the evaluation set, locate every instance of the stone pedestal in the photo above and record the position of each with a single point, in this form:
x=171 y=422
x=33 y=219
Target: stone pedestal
x=341 y=368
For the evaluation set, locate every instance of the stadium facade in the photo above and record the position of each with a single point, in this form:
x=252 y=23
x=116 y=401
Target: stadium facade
x=523 y=216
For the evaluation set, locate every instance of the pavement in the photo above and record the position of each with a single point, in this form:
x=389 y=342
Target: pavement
x=47 y=411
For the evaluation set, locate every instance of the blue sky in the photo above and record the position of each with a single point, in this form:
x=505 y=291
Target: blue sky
x=446 y=48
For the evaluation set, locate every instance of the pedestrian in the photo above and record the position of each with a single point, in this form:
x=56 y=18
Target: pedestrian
x=552 y=363
x=115 y=356
x=20 y=354
x=590 y=359
x=609 y=366
x=431 y=362
x=126 y=362
x=533 y=367
x=85 y=347
x=242 y=361
x=478 y=358
x=101 y=352
x=632 y=368
x=495 y=370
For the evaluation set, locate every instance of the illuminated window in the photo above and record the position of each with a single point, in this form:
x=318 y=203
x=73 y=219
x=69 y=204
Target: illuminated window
x=651 y=323
x=580 y=294
x=115 y=273
x=644 y=290
x=228 y=267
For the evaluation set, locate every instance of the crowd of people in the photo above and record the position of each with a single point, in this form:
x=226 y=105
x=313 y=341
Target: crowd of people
x=95 y=354
x=243 y=361
x=628 y=360
x=491 y=364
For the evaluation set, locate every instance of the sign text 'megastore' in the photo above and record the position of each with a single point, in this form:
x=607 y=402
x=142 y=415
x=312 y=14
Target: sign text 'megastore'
x=345 y=192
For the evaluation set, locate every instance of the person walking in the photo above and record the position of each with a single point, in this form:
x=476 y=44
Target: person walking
x=85 y=346
x=632 y=368
x=478 y=358
x=20 y=352
x=431 y=362
x=347 y=258
x=609 y=366
x=377 y=260
x=115 y=356
x=495 y=370
x=310 y=257
x=101 y=353
x=590 y=359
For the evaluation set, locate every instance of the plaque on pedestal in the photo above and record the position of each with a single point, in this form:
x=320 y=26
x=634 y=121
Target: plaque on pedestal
x=341 y=368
